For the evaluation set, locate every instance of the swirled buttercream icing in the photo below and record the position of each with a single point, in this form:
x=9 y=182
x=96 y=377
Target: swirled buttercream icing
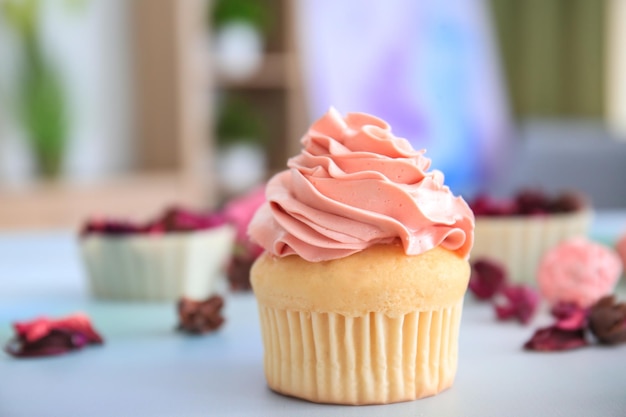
x=355 y=185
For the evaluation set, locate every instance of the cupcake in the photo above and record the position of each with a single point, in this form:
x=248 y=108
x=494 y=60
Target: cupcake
x=360 y=287
x=180 y=254
x=517 y=232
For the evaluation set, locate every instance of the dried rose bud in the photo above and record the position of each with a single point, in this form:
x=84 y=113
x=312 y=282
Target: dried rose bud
x=200 y=316
x=607 y=321
x=517 y=302
x=487 y=278
x=45 y=337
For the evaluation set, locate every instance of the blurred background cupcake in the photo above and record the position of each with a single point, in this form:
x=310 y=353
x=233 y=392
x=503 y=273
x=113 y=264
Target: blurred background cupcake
x=518 y=231
x=179 y=254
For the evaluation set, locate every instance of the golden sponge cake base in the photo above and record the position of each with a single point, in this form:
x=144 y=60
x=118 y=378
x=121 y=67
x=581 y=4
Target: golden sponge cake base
x=390 y=336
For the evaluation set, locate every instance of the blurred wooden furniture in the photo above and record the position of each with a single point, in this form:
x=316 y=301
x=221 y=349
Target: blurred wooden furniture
x=276 y=90
x=173 y=90
x=172 y=83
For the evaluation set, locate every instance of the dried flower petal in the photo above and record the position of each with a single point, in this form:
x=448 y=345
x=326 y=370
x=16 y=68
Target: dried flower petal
x=200 y=316
x=607 y=321
x=44 y=337
x=527 y=202
x=487 y=278
x=552 y=339
x=517 y=302
x=177 y=219
x=238 y=272
x=110 y=227
x=570 y=316
x=174 y=219
x=484 y=205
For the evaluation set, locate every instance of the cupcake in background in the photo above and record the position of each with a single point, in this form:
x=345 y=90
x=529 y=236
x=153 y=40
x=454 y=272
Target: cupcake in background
x=517 y=232
x=239 y=212
x=179 y=254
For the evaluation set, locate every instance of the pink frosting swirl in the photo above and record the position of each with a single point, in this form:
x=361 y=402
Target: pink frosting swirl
x=578 y=271
x=355 y=185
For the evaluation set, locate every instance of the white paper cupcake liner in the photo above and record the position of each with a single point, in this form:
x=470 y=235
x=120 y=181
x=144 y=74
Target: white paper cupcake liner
x=520 y=242
x=157 y=268
x=372 y=359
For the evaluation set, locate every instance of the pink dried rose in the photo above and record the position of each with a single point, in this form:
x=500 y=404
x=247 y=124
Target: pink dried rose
x=46 y=337
x=487 y=278
x=568 y=332
x=578 y=270
x=570 y=316
x=518 y=302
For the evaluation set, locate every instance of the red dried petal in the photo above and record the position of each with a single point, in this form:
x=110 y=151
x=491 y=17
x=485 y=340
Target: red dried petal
x=517 y=302
x=487 y=278
x=553 y=339
x=527 y=202
x=570 y=316
x=45 y=337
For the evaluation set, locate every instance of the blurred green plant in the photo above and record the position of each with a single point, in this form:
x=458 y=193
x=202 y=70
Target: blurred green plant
x=253 y=12
x=239 y=122
x=41 y=100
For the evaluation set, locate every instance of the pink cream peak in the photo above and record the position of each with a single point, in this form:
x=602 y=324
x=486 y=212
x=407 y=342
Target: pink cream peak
x=355 y=185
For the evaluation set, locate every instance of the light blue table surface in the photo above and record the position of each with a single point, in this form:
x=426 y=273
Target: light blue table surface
x=146 y=368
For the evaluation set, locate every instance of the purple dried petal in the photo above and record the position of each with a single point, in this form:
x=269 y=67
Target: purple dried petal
x=487 y=278
x=552 y=339
x=517 y=302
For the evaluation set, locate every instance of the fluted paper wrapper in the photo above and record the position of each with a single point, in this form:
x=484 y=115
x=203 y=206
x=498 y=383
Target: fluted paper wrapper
x=371 y=359
x=519 y=242
x=157 y=268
